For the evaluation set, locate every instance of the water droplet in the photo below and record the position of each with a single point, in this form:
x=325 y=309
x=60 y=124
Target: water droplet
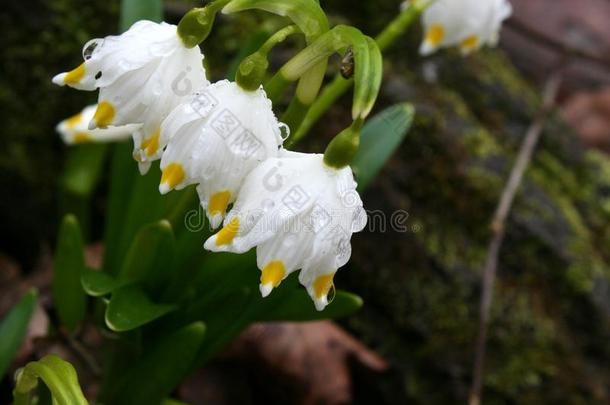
x=90 y=47
x=284 y=131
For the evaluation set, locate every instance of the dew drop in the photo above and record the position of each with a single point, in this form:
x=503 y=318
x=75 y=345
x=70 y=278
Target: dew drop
x=90 y=47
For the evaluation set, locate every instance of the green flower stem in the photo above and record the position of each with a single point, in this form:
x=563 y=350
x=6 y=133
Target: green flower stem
x=312 y=21
x=340 y=86
x=368 y=73
x=253 y=68
x=278 y=38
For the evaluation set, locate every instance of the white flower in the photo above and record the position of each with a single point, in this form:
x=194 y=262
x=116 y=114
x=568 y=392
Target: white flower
x=300 y=214
x=215 y=138
x=75 y=130
x=142 y=75
x=470 y=24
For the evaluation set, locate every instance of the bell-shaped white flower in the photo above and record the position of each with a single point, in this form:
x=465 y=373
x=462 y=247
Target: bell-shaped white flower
x=142 y=75
x=469 y=24
x=300 y=214
x=214 y=139
x=75 y=130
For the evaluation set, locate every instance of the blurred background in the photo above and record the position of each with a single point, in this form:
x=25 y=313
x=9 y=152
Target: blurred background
x=413 y=342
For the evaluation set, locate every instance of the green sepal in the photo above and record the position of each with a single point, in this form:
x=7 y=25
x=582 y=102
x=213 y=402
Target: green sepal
x=14 y=327
x=58 y=375
x=130 y=308
x=68 y=295
x=380 y=138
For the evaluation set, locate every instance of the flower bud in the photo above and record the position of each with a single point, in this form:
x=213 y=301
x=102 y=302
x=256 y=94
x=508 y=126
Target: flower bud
x=196 y=25
x=251 y=71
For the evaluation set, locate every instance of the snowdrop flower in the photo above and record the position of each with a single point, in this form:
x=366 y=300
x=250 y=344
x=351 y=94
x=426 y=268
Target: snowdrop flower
x=470 y=24
x=300 y=214
x=214 y=139
x=75 y=130
x=142 y=75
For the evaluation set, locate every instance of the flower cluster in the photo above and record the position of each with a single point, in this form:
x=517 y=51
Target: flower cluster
x=295 y=209
x=469 y=24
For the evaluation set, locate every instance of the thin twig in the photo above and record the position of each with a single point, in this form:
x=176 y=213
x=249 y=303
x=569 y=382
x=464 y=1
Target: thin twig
x=508 y=196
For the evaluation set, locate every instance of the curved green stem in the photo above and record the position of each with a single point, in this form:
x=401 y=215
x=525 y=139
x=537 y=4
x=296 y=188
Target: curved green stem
x=279 y=37
x=253 y=68
x=340 y=86
x=367 y=60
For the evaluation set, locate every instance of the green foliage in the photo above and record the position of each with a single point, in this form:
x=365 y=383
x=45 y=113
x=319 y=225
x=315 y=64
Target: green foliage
x=130 y=308
x=68 y=295
x=381 y=137
x=13 y=328
x=134 y=10
x=160 y=369
x=58 y=375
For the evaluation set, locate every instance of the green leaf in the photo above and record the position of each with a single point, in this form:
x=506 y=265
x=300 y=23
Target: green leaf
x=13 y=328
x=130 y=308
x=97 y=283
x=150 y=256
x=134 y=202
x=58 y=375
x=161 y=368
x=298 y=307
x=380 y=138
x=68 y=295
x=134 y=10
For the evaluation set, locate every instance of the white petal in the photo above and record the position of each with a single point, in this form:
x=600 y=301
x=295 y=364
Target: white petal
x=75 y=129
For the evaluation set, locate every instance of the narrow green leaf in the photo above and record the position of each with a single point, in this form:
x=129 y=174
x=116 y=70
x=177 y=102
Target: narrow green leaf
x=68 y=295
x=134 y=10
x=380 y=138
x=97 y=283
x=298 y=307
x=13 y=328
x=150 y=256
x=58 y=375
x=130 y=308
x=161 y=368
